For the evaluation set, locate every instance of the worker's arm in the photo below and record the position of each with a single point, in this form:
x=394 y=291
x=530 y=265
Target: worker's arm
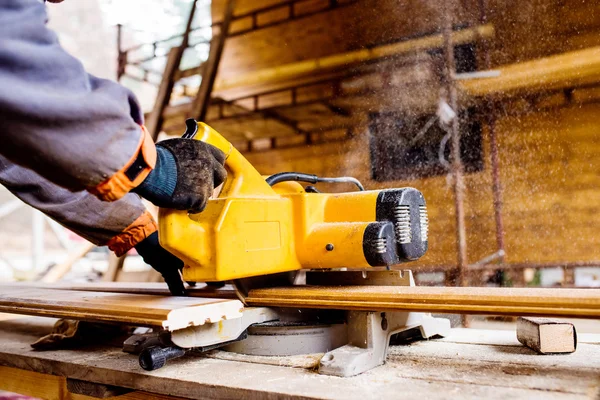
x=76 y=130
x=82 y=132
x=120 y=225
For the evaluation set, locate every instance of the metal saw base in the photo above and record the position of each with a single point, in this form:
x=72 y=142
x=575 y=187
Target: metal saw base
x=369 y=335
x=290 y=339
x=353 y=341
x=350 y=348
x=353 y=347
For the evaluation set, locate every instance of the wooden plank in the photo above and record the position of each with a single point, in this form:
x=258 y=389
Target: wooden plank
x=211 y=66
x=584 y=303
x=60 y=270
x=147 y=310
x=147 y=288
x=547 y=336
x=428 y=369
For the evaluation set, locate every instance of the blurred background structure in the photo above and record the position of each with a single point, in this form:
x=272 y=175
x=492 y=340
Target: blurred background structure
x=30 y=244
x=490 y=108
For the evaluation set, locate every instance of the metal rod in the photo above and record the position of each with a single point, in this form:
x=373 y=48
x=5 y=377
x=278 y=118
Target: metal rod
x=10 y=207
x=59 y=233
x=515 y=266
x=253 y=14
x=120 y=66
x=456 y=165
x=496 y=187
x=37 y=239
x=495 y=159
x=488 y=259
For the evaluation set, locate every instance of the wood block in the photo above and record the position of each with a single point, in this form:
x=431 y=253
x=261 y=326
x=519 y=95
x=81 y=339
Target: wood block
x=547 y=336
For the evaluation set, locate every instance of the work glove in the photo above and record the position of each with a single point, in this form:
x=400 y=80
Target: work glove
x=185 y=175
x=164 y=262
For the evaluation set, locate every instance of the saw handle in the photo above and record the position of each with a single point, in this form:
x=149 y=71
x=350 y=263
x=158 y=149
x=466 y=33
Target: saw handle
x=243 y=180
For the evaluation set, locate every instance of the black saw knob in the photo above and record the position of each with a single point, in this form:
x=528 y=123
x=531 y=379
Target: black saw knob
x=156 y=357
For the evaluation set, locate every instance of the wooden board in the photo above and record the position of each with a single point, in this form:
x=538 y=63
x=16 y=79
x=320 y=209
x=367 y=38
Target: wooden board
x=148 y=288
x=466 y=300
x=135 y=309
x=434 y=369
x=583 y=303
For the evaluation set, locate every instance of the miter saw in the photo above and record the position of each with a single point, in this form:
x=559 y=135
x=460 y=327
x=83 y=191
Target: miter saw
x=272 y=231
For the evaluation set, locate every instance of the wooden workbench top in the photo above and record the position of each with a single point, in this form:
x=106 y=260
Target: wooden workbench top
x=467 y=364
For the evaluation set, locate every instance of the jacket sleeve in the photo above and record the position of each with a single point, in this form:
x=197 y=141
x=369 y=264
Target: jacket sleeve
x=75 y=130
x=120 y=225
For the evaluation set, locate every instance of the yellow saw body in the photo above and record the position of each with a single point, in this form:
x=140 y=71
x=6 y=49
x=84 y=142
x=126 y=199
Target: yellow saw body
x=252 y=228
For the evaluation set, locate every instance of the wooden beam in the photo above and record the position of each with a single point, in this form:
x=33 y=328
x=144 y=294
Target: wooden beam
x=59 y=270
x=211 y=66
x=570 y=69
x=115 y=265
x=351 y=58
x=584 y=303
x=135 y=309
x=154 y=122
x=46 y=386
x=184 y=73
x=163 y=96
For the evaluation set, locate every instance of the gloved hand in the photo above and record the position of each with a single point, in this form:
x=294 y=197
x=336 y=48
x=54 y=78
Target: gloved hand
x=164 y=262
x=185 y=175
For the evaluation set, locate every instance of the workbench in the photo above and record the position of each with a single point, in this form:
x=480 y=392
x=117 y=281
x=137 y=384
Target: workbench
x=470 y=363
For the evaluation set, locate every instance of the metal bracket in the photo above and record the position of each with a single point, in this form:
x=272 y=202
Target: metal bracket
x=369 y=335
x=369 y=332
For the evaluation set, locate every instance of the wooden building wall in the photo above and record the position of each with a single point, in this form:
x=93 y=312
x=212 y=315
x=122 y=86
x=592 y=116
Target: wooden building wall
x=548 y=157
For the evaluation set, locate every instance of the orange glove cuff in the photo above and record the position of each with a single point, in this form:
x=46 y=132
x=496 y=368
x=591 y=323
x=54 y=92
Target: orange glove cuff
x=119 y=184
x=139 y=230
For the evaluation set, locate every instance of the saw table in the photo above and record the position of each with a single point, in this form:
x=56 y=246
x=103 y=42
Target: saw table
x=468 y=363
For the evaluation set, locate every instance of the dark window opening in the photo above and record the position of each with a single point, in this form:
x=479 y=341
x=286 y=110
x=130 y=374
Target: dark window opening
x=404 y=147
x=398 y=152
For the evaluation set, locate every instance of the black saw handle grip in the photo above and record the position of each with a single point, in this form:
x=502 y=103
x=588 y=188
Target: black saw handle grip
x=155 y=357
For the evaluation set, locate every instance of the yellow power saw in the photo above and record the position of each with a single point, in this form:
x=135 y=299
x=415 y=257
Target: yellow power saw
x=261 y=231
x=259 y=226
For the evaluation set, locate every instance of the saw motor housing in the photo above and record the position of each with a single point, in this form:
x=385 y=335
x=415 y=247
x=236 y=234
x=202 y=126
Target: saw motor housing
x=252 y=228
